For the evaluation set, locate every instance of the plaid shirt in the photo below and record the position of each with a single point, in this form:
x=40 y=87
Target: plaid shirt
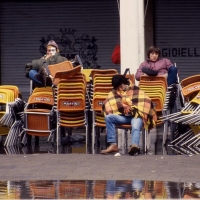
x=140 y=103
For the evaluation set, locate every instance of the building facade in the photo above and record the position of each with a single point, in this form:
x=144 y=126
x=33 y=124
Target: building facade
x=93 y=28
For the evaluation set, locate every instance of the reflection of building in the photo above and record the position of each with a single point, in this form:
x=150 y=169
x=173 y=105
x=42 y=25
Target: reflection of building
x=174 y=27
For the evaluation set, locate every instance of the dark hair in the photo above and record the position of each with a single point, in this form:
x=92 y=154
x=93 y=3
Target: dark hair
x=118 y=80
x=153 y=49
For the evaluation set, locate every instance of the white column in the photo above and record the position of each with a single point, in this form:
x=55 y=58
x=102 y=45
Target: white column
x=131 y=34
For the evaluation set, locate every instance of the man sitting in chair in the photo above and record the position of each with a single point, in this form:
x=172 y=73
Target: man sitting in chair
x=37 y=73
x=127 y=105
x=155 y=65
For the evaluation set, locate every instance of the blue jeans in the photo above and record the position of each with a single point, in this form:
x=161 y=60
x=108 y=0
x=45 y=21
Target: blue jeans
x=136 y=124
x=32 y=74
x=172 y=75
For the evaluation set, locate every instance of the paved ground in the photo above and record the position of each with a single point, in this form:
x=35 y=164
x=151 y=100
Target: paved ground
x=99 y=167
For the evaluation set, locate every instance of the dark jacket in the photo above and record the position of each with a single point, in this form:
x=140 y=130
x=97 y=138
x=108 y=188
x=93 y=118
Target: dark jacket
x=57 y=58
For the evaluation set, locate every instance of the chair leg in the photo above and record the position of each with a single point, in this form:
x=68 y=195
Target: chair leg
x=93 y=137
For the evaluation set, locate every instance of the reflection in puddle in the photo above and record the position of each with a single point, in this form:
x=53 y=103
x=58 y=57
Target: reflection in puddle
x=99 y=189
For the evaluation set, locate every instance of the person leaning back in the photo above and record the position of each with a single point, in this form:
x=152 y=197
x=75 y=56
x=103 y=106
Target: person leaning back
x=37 y=66
x=155 y=65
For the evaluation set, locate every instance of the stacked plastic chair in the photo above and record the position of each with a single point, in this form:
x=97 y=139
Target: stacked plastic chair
x=188 y=143
x=70 y=97
x=156 y=88
x=100 y=87
x=39 y=118
x=11 y=105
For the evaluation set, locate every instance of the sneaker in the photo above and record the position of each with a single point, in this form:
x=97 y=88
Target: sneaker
x=134 y=150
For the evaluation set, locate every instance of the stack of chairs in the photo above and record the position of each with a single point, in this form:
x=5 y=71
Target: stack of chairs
x=42 y=189
x=70 y=98
x=156 y=88
x=9 y=98
x=100 y=87
x=188 y=143
x=39 y=118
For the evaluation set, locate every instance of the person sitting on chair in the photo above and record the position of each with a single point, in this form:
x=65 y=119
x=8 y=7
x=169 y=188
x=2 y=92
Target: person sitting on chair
x=155 y=65
x=37 y=71
x=127 y=105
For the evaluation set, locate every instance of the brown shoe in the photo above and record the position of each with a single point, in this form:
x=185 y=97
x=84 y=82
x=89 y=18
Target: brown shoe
x=134 y=150
x=111 y=149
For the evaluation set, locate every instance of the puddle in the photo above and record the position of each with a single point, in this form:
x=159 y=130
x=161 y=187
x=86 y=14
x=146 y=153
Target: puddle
x=98 y=189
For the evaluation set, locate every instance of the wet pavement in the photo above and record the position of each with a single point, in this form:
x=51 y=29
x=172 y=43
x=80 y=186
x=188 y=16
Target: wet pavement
x=40 y=172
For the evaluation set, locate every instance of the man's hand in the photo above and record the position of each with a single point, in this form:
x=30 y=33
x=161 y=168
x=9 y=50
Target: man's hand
x=48 y=56
x=127 y=109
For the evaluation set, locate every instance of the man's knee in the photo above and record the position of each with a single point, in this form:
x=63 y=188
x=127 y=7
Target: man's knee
x=173 y=70
x=107 y=117
x=137 y=123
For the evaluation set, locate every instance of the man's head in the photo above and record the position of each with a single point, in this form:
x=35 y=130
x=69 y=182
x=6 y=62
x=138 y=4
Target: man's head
x=119 y=81
x=52 y=47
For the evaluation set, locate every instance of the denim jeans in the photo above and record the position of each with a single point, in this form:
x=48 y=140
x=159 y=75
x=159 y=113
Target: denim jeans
x=172 y=75
x=32 y=74
x=136 y=124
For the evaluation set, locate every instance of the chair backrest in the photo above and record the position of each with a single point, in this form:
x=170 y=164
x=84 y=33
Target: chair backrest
x=191 y=89
x=41 y=98
x=87 y=73
x=61 y=67
x=14 y=88
x=65 y=74
x=106 y=72
x=189 y=80
x=155 y=78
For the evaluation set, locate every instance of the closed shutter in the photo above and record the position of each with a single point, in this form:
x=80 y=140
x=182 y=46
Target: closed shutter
x=90 y=28
x=177 y=31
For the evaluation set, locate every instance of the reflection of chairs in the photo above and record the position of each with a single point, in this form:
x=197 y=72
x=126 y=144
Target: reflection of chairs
x=99 y=189
x=42 y=189
x=72 y=190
